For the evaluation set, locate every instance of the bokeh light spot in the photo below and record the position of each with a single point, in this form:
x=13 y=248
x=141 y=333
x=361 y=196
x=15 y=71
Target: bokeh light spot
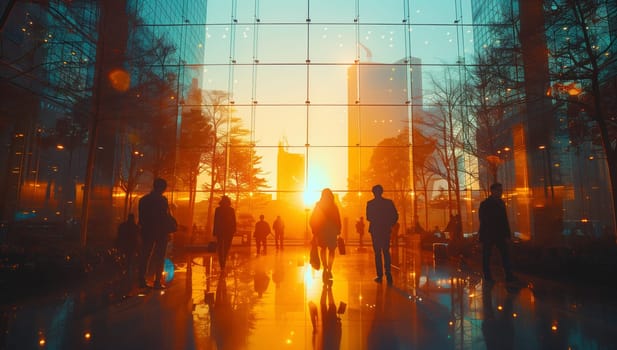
x=119 y=79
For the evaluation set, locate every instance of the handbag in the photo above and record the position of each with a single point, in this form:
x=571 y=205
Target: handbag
x=341 y=245
x=314 y=255
x=170 y=224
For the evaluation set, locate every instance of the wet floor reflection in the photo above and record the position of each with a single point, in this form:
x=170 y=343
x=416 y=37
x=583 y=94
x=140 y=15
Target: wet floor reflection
x=326 y=320
x=279 y=301
x=497 y=324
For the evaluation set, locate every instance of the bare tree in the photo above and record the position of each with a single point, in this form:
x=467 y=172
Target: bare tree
x=448 y=98
x=129 y=170
x=583 y=65
x=232 y=164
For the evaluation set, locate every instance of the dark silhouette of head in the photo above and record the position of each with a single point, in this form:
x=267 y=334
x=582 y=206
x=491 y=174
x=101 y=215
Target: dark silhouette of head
x=225 y=201
x=377 y=190
x=261 y=217
x=159 y=185
x=130 y=217
x=327 y=195
x=496 y=190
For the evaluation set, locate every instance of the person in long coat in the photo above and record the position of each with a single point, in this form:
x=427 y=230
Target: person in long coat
x=153 y=210
x=224 y=229
x=382 y=216
x=325 y=224
x=494 y=231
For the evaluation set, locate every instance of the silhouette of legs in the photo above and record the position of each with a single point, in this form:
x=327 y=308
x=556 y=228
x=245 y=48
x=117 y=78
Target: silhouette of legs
x=383 y=260
x=502 y=246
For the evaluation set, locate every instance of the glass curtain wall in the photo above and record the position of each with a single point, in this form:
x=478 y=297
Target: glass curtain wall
x=335 y=86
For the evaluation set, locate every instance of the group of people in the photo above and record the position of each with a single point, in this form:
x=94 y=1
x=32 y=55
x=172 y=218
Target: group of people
x=325 y=223
x=382 y=216
x=262 y=231
x=225 y=227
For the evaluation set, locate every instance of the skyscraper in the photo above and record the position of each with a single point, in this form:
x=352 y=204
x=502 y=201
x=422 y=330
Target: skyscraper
x=380 y=106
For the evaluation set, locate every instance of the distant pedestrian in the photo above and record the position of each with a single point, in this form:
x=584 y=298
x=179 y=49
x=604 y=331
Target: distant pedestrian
x=325 y=223
x=224 y=229
x=360 y=231
x=494 y=231
x=279 y=232
x=127 y=242
x=262 y=230
x=382 y=216
x=153 y=211
x=455 y=228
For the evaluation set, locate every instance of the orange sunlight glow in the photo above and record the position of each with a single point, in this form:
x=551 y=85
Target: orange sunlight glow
x=318 y=179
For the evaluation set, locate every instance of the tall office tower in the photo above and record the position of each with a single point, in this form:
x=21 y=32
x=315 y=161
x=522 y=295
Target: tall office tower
x=380 y=107
x=290 y=176
x=133 y=35
x=541 y=172
x=46 y=70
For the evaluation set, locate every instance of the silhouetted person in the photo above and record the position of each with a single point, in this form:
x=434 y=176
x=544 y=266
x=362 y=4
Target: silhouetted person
x=325 y=224
x=279 y=232
x=153 y=210
x=382 y=216
x=224 y=229
x=127 y=242
x=262 y=230
x=494 y=231
x=448 y=229
x=360 y=231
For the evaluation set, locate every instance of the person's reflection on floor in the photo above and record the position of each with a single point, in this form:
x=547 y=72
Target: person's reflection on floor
x=382 y=334
x=497 y=327
x=222 y=317
x=326 y=335
x=261 y=281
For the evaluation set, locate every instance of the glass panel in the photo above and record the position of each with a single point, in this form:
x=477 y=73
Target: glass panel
x=242 y=88
x=383 y=11
x=435 y=44
x=243 y=52
x=281 y=84
x=329 y=84
x=282 y=11
x=328 y=126
x=269 y=167
x=274 y=124
x=282 y=43
x=425 y=12
x=217 y=44
x=193 y=52
x=332 y=11
x=327 y=167
x=382 y=43
x=332 y=43
x=384 y=84
x=215 y=77
x=219 y=11
x=376 y=123
x=245 y=12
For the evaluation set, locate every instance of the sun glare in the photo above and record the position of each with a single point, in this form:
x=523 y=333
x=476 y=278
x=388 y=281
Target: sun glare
x=318 y=179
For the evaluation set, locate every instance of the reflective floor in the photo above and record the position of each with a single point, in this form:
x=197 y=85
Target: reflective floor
x=278 y=301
